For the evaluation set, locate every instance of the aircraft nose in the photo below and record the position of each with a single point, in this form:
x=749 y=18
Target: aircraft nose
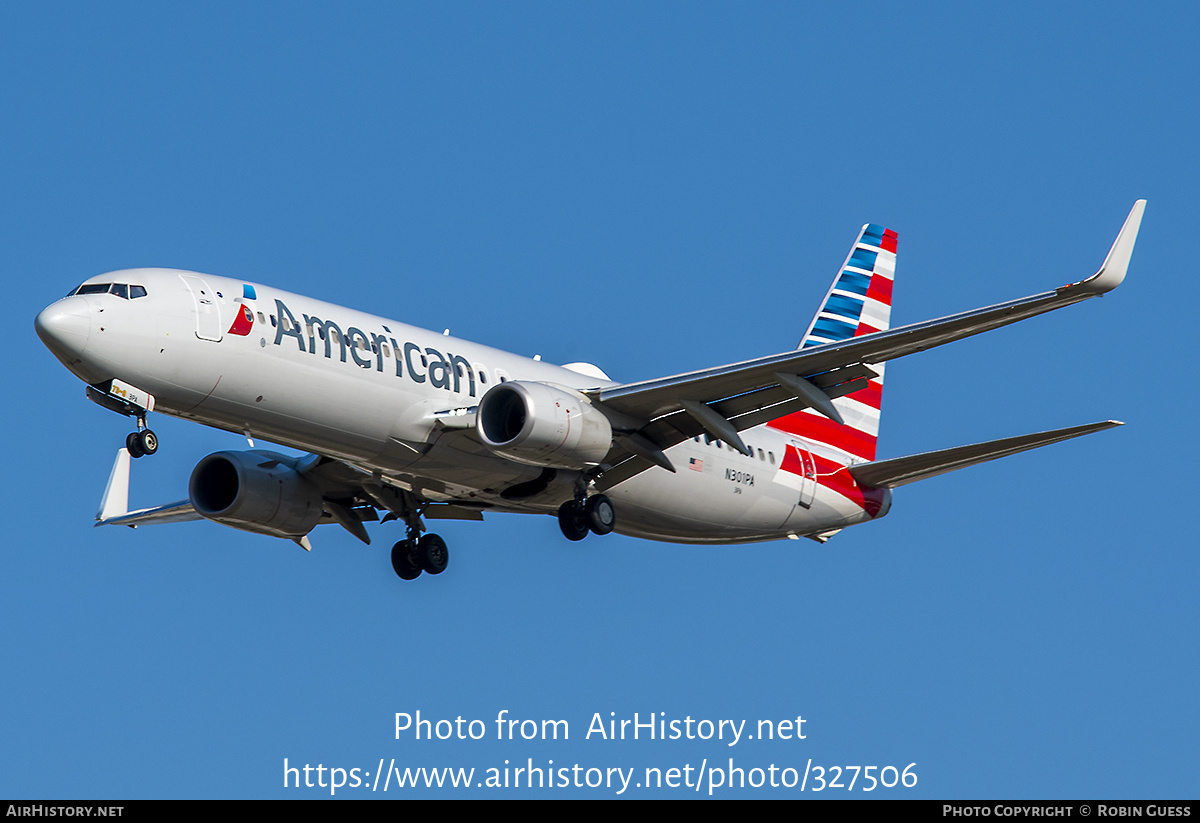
x=65 y=327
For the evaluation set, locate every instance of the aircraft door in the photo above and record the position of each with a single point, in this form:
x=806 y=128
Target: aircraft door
x=208 y=311
x=799 y=461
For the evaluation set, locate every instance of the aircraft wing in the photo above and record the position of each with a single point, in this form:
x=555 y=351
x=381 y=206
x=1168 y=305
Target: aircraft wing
x=349 y=496
x=179 y=512
x=656 y=413
x=115 y=503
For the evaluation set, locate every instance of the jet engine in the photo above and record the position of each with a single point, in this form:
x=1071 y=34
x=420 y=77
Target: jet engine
x=543 y=425
x=258 y=491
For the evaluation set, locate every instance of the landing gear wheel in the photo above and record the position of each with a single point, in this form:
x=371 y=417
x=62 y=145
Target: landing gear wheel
x=148 y=441
x=133 y=445
x=433 y=554
x=599 y=514
x=572 y=521
x=405 y=561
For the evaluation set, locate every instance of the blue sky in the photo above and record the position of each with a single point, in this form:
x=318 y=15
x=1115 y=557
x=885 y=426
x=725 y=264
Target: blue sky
x=653 y=188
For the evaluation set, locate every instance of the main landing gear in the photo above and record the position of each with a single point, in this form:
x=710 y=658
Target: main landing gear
x=412 y=556
x=416 y=553
x=143 y=441
x=577 y=517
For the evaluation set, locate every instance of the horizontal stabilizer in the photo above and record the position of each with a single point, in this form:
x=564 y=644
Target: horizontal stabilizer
x=904 y=470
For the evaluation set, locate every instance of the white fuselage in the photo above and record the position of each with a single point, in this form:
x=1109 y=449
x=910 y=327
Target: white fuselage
x=345 y=384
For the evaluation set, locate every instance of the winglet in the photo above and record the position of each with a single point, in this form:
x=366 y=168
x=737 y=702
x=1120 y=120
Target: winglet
x=116 y=494
x=1113 y=271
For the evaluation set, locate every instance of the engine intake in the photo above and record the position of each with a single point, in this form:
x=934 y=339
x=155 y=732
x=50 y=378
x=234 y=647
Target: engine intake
x=543 y=425
x=257 y=491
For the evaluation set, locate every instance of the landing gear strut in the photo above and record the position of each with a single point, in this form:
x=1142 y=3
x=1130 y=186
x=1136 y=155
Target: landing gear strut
x=577 y=517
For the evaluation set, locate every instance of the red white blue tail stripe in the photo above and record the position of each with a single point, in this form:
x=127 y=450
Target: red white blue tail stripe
x=859 y=302
x=860 y=299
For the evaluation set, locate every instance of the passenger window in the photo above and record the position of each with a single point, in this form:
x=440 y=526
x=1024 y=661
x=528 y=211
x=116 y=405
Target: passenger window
x=761 y=456
x=771 y=457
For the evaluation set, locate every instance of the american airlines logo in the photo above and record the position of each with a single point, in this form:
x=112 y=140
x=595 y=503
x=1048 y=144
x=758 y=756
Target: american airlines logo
x=442 y=371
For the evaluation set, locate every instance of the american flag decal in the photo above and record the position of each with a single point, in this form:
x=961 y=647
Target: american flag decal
x=695 y=465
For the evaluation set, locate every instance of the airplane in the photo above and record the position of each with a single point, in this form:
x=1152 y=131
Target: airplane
x=425 y=426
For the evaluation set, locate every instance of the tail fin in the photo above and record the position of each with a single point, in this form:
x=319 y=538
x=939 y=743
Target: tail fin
x=858 y=302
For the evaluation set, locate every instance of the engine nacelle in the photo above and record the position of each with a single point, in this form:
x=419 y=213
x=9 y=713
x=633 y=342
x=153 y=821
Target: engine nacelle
x=543 y=425
x=258 y=491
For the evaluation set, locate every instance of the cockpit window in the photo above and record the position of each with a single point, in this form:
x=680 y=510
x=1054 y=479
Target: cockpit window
x=122 y=290
x=93 y=288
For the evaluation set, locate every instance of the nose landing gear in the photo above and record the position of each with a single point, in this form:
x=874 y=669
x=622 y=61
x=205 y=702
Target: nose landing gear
x=130 y=401
x=143 y=441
